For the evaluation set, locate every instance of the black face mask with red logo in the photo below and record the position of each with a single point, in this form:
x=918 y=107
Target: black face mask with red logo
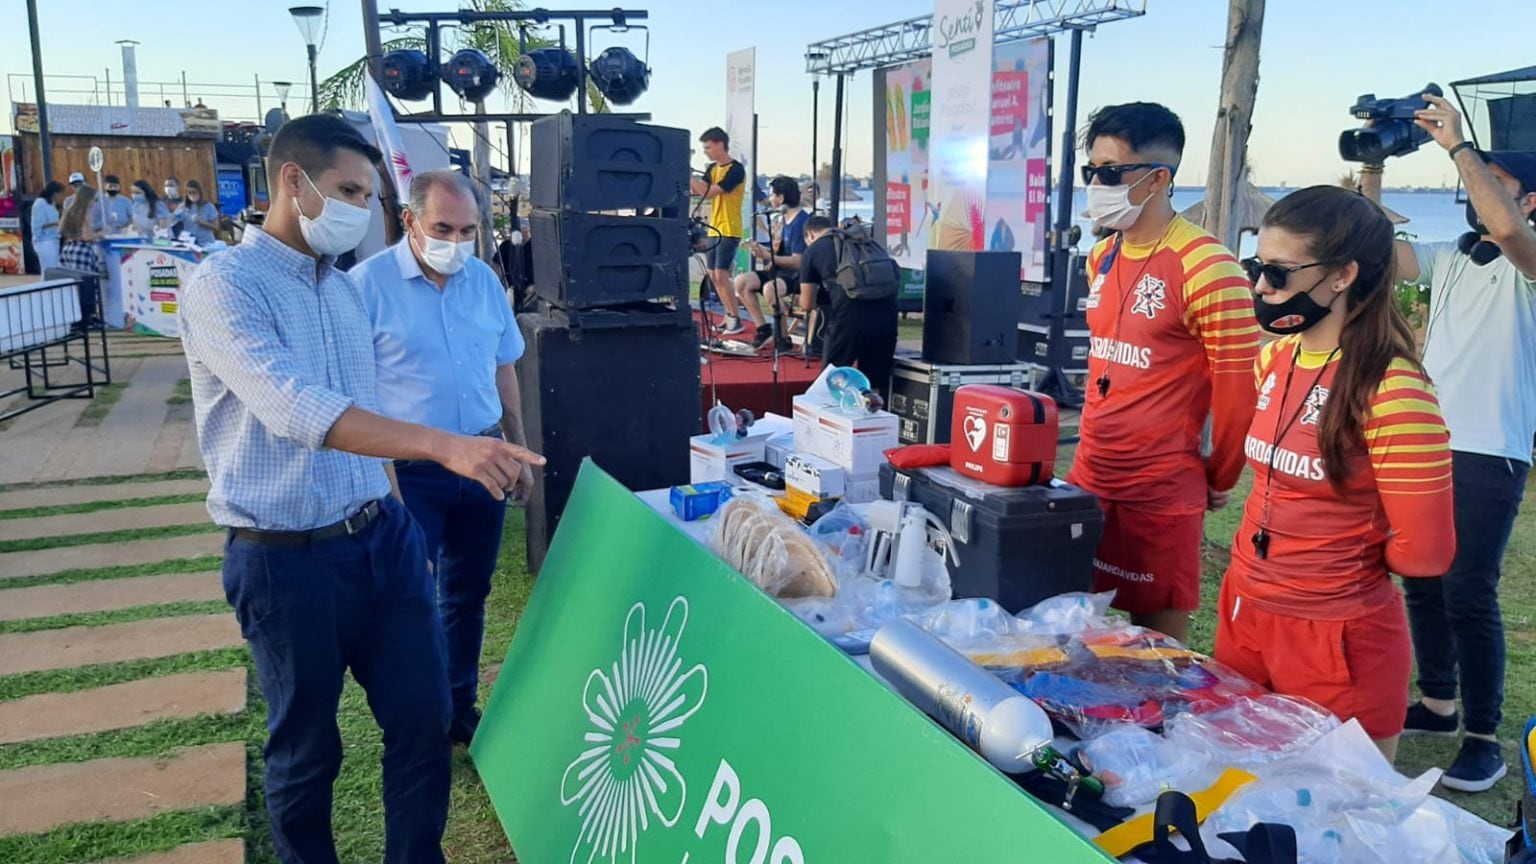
x=1296 y=315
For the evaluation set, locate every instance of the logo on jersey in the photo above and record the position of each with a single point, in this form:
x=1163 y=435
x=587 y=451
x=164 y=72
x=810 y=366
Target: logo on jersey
x=1093 y=291
x=1269 y=386
x=1313 y=407
x=1151 y=296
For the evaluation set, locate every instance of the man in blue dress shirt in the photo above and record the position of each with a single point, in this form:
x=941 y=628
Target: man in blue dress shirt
x=326 y=571
x=445 y=341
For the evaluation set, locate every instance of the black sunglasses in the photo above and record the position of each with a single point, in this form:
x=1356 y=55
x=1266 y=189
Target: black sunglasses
x=1274 y=274
x=1114 y=175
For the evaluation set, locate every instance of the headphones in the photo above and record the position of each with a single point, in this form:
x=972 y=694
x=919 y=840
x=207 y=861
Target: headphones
x=1479 y=250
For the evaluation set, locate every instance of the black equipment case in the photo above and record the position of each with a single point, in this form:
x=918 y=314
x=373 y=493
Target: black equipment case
x=923 y=393
x=1017 y=545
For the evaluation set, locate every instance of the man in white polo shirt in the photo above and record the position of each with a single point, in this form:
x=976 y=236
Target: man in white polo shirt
x=1480 y=350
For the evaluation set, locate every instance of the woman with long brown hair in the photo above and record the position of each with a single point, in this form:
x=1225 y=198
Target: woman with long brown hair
x=78 y=250
x=1352 y=470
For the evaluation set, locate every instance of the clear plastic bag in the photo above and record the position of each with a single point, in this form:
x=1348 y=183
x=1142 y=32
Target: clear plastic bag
x=1348 y=805
x=841 y=535
x=1253 y=730
x=1068 y=614
x=1136 y=765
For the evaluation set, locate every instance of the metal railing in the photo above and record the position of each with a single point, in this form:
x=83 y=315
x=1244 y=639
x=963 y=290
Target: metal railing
x=47 y=328
x=232 y=101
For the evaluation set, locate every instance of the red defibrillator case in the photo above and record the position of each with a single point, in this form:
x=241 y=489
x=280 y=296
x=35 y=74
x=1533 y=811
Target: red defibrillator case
x=1003 y=436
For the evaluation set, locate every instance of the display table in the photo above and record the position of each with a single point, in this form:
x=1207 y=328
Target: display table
x=657 y=706
x=143 y=287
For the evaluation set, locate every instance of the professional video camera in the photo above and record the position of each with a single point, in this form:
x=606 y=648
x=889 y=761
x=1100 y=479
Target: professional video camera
x=1392 y=133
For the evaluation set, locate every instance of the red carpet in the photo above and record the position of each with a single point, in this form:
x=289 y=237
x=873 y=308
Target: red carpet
x=748 y=382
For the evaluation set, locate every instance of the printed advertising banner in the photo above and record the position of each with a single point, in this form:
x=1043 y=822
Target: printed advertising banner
x=960 y=121
x=11 y=255
x=655 y=706
x=740 y=105
x=1014 y=214
x=152 y=279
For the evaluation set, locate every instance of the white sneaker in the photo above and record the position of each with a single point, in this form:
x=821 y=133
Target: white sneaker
x=731 y=325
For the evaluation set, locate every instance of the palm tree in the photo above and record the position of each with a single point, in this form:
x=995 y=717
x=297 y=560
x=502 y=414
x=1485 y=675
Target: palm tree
x=498 y=40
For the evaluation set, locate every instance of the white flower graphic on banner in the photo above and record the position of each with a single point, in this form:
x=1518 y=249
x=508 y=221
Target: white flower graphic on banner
x=626 y=779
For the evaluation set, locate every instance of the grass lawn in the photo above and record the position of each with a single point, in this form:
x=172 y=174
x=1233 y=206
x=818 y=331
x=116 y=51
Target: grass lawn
x=474 y=835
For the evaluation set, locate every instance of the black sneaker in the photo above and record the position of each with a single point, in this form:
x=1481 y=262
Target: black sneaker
x=462 y=729
x=763 y=336
x=1478 y=766
x=1422 y=721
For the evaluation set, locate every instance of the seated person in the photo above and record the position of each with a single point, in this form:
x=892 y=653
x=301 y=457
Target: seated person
x=780 y=278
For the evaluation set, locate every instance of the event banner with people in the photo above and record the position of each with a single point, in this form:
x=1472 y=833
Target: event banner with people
x=657 y=706
x=1014 y=215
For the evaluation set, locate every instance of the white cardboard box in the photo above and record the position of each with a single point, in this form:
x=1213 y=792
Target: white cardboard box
x=862 y=490
x=778 y=449
x=710 y=461
x=857 y=444
x=814 y=476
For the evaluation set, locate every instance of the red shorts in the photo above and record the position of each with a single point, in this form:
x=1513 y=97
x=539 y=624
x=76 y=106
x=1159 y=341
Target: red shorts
x=1150 y=560
x=1357 y=668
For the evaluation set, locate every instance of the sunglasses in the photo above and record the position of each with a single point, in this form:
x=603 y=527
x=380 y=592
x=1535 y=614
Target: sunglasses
x=1274 y=274
x=1114 y=175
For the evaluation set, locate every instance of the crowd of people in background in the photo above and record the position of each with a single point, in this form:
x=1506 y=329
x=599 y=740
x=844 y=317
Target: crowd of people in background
x=68 y=221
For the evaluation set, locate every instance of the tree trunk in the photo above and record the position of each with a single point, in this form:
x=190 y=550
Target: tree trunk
x=482 y=169
x=1234 y=120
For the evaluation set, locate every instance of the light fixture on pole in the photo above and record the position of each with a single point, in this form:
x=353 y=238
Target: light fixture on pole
x=282 y=88
x=308 y=19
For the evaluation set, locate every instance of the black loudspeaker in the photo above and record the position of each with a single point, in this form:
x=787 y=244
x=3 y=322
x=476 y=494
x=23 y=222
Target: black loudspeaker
x=621 y=387
x=1042 y=301
x=592 y=162
x=971 y=307
x=581 y=260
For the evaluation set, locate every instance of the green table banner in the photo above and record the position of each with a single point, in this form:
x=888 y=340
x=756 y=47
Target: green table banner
x=655 y=706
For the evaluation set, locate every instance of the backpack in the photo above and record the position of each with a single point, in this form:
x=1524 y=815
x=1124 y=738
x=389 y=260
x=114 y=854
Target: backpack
x=864 y=270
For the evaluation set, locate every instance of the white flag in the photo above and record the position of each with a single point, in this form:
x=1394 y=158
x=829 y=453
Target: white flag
x=389 y=138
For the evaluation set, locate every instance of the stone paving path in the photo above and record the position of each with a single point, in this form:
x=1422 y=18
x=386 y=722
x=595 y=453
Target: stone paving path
x=49 y=791
x=117 y=790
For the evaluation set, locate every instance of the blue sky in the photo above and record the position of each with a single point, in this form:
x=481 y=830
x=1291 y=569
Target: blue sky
x=1317 y=57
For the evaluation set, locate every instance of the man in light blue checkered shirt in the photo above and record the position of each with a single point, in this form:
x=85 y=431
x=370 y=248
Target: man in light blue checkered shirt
x=325 y=569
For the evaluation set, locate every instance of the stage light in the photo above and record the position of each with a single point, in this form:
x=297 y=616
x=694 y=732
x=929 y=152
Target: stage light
x=471 y=74
x=619 y=75
x=408 y=75
x=548 y=73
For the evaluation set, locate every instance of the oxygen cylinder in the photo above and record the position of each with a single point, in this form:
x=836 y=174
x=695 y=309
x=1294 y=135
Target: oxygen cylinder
x=998 y=722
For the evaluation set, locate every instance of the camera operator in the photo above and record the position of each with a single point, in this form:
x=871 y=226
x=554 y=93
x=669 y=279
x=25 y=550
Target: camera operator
x=1480 y=350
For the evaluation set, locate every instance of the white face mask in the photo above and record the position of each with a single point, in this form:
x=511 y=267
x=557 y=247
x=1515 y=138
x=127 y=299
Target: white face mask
x=1110 y=207
x=339 y=227
x=445 y=256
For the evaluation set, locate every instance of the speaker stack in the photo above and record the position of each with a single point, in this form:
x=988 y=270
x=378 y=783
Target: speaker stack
x=612 y=367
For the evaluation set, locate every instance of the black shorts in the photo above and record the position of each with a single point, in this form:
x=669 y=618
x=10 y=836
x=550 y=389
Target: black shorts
x=766 y=277
x=722 y=255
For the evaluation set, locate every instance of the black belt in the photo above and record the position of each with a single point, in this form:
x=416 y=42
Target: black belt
x=354 y=524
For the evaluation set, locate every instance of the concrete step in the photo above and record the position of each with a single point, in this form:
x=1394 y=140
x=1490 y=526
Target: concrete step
x=45 y=797
x=119 y=706
x=105 y=595
x=114 y=519
x=57 y=496
x=212 y=852
x=71 y=647
x=41 y=562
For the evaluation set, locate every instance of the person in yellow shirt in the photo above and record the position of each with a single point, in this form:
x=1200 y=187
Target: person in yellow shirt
x=723 y=185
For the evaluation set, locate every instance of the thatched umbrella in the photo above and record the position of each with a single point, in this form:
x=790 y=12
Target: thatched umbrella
x=1252 y=204
x=1351 y=180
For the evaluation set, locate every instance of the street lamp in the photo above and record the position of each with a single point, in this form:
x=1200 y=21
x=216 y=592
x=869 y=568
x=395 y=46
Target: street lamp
x=282 y=88
x=308 y=19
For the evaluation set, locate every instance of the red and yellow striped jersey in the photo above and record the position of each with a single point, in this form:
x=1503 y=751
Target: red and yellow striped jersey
x=1330 y=553
x=1173 y=332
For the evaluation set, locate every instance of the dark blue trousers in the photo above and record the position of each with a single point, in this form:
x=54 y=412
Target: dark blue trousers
x=462 y=524
x=312 y=612
x=1458 y=632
